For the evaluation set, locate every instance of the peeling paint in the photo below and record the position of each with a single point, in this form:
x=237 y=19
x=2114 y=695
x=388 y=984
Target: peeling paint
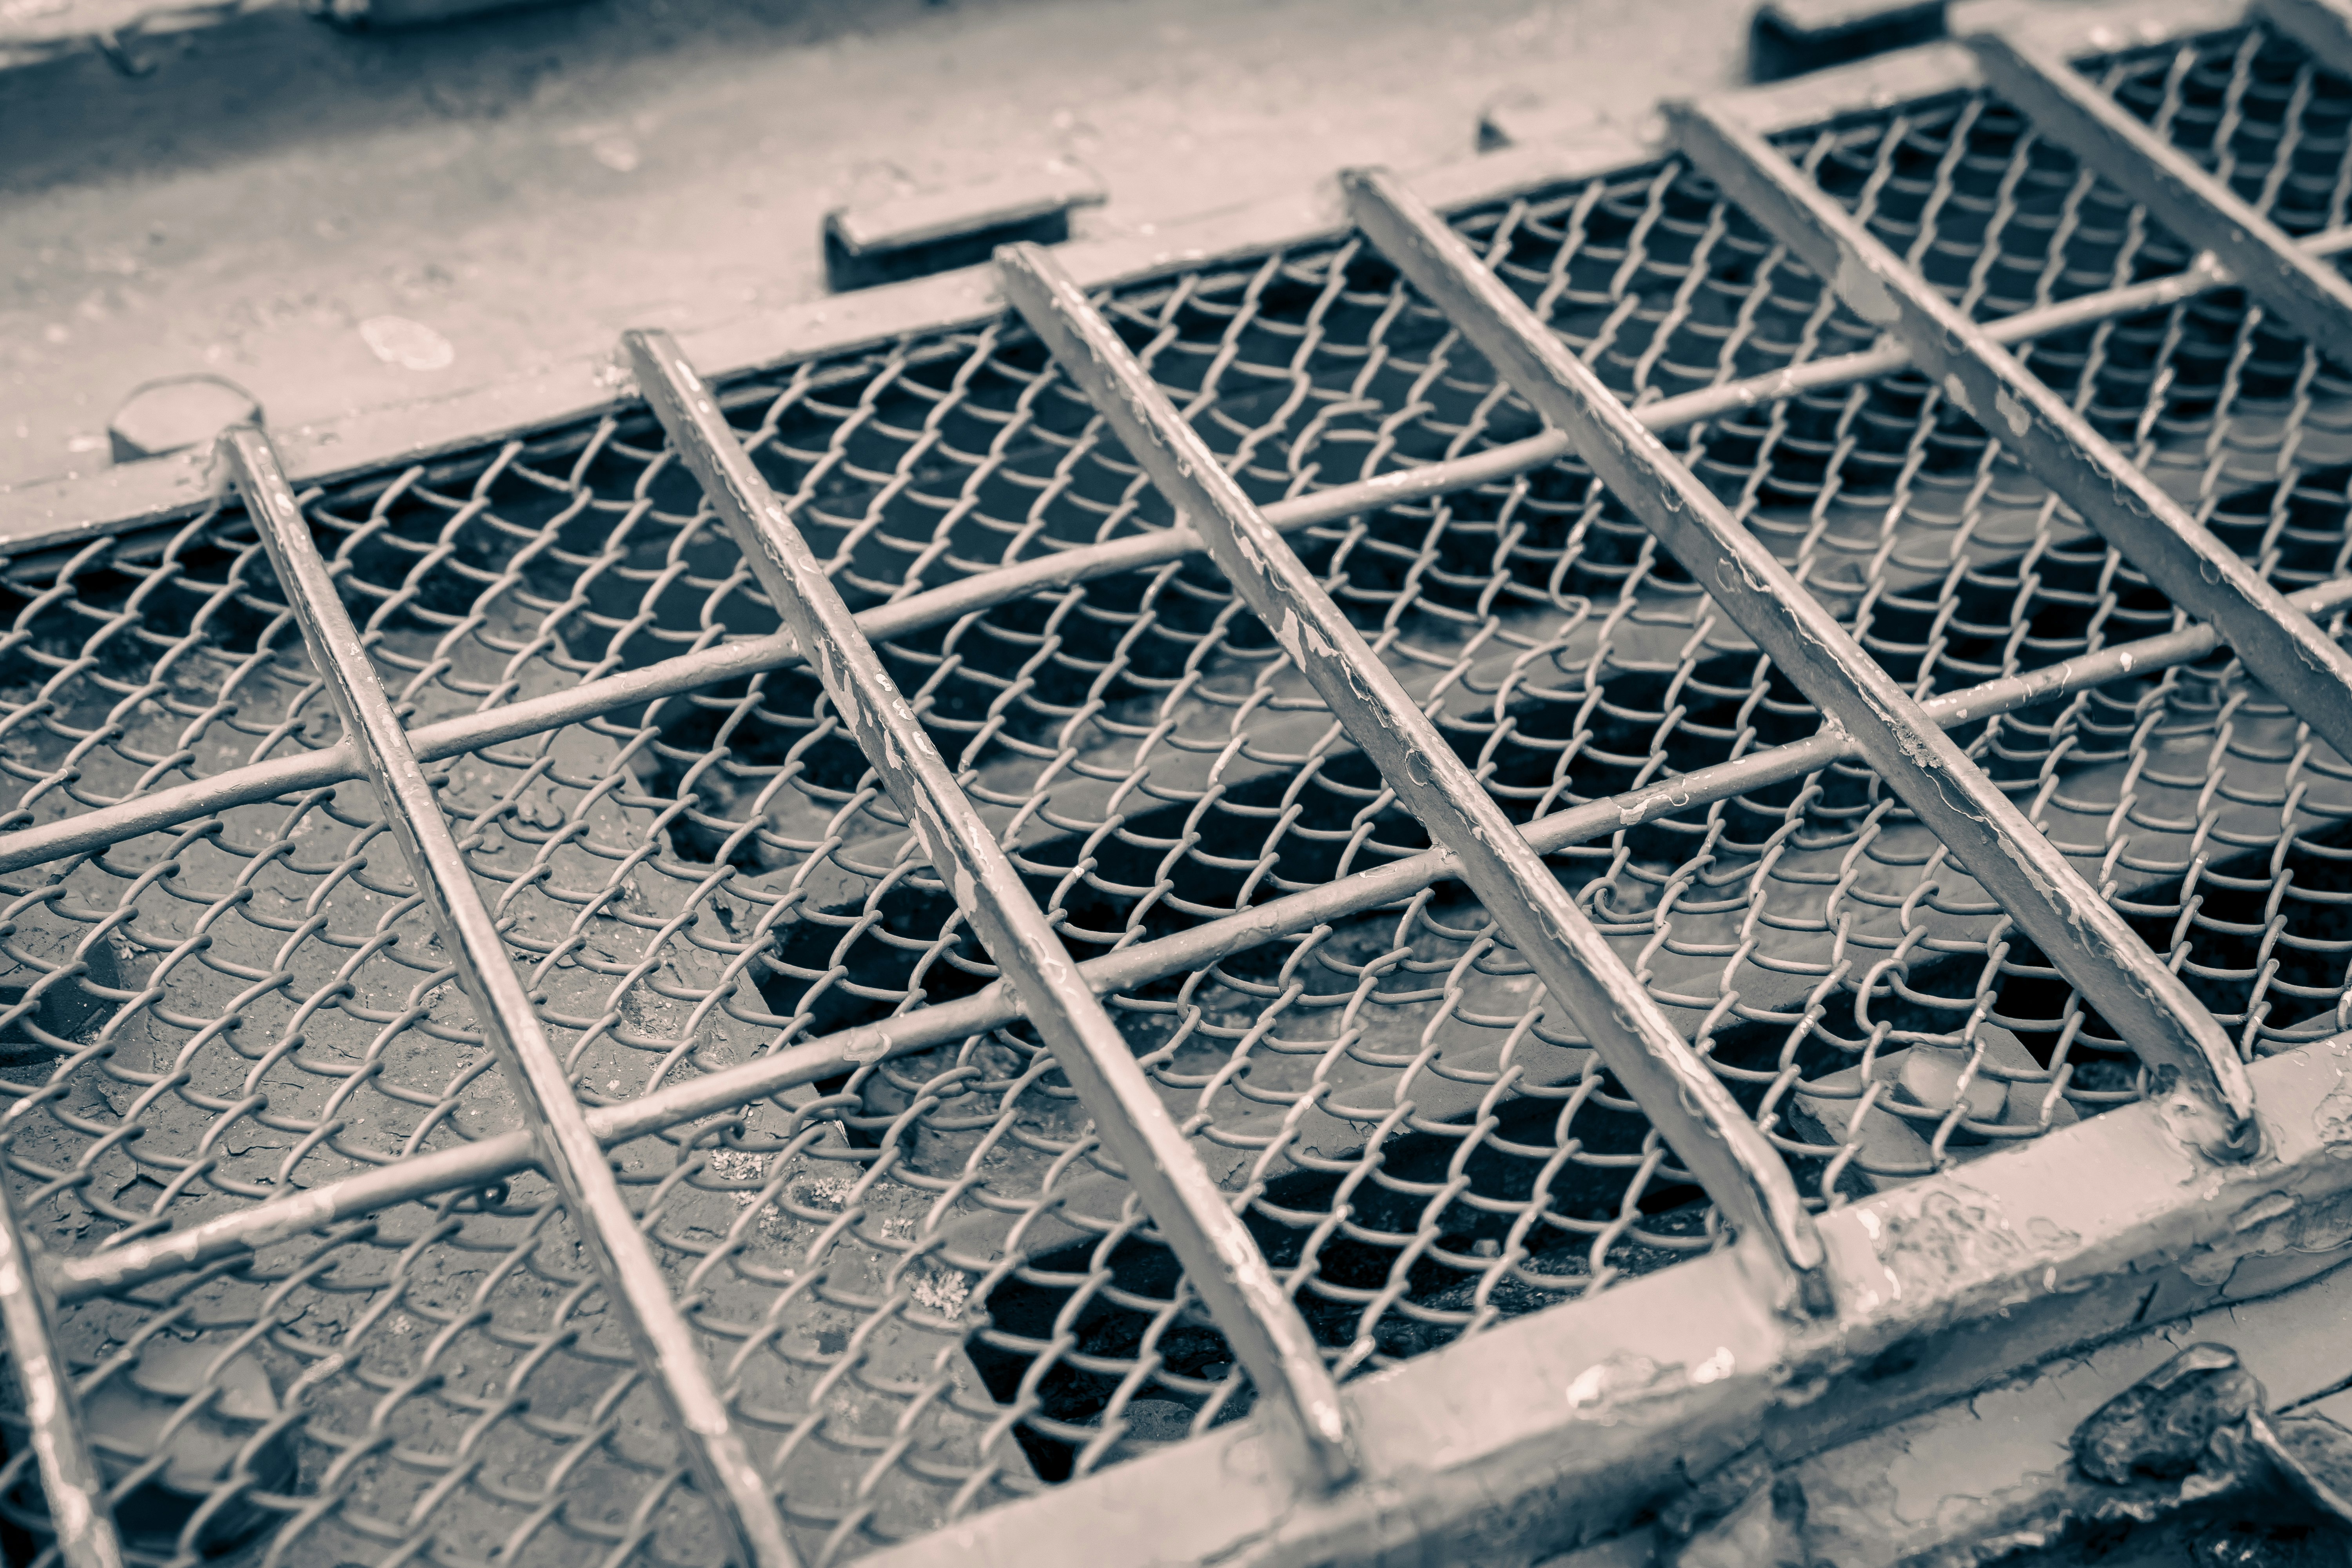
x=1949 y=1240
x=2332 y=1120
x=1599 y=1388
x=1662 y=800
x=2012 y=413
x=1865 y=291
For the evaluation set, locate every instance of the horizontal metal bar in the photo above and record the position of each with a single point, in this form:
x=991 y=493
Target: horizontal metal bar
x=1586 y=978
x=2073 y=111
x=2322 y=26
x=2082 y=935
x=488 y=1160
x=150 y=813
x=566 y=1151
x=1193 y=1215
x=71 y=1483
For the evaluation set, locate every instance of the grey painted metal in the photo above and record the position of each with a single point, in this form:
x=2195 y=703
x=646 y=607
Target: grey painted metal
x=1227 y=1270
x=1573 y=1423
x=1689 y=1106
x=2082 y=936
x=159 y=809
x=81 y=506
x=2323 y=27
x=2073 y=111
x=486 y=1160
x=2278 y=644
x=71 y=1482
x=564 y=1147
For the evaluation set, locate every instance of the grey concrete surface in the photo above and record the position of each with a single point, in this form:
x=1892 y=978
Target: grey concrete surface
x=342 y=222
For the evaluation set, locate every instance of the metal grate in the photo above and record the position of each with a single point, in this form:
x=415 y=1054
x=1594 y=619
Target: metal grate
x=922 y=1284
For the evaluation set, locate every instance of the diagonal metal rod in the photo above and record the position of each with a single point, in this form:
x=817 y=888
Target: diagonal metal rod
x=488 y=1160
x=565 y=1149
x=1685 y=1103
x=2071 y=110
x=2278 y=645
x=1193 y=1215
x=2084 y=937
x=2323 y=27
x=156 y=809
x=2281 y=648
x=71 y=1483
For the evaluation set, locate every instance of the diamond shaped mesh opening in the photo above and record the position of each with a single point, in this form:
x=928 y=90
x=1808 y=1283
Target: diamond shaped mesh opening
x=925 y=1286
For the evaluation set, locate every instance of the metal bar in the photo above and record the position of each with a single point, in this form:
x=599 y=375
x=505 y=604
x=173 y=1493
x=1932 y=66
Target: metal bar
x=71 y=1482
x=566 y=1149
x=2070 y=109
x=2084 y=937
x=1975 y=1273
x=1228 y=1272
x=2323 y=27
x=2300 y=664
x=453 y=737
x=1688 y=1105
x=830 y=1056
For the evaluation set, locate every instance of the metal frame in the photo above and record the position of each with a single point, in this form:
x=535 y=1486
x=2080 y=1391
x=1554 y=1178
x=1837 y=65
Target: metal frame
x=2082 y=933
x=488 y=1160
x=1686 y=1104
x=1220 y=1259
x=1552 y=1427
x=561 y=1140
x=1570 y=1426
x=454 y=737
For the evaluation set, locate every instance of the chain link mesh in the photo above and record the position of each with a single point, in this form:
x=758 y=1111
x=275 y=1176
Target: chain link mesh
x=925 y=1286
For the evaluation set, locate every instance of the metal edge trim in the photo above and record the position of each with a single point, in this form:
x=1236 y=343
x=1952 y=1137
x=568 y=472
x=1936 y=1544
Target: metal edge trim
x=1560 y=1428
x=40 y=513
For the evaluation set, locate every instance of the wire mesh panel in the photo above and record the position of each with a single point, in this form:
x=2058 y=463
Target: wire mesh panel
x=924 y=1286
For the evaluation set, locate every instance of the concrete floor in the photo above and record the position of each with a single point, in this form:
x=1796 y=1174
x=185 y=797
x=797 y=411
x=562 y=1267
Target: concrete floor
x=522 y=188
